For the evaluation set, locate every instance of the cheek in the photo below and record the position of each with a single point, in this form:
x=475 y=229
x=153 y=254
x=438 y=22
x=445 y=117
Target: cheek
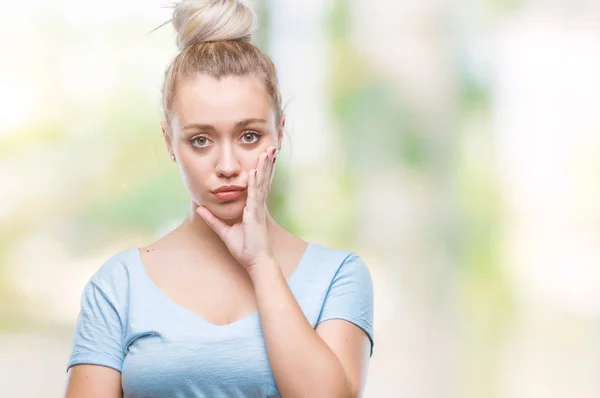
x=194 y=169
x=249 y=160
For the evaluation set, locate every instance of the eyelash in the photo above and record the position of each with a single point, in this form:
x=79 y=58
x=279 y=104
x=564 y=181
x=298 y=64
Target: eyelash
x=252 y=132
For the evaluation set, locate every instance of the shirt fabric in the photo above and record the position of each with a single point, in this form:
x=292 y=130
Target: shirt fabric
x=165 y=350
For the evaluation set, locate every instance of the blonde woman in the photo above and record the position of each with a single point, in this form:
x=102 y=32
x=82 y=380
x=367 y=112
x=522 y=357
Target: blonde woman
x=229 y=303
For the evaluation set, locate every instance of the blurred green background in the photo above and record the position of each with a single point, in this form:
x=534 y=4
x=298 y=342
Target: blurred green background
x=454 y=145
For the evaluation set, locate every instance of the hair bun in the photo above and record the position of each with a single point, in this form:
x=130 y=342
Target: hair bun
x=212 y=20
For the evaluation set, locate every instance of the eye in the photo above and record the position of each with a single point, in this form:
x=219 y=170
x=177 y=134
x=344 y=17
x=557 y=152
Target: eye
x=250 y=137
x=199 y=142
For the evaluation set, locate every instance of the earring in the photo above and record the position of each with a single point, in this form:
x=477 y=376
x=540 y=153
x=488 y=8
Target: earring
x=172 y=157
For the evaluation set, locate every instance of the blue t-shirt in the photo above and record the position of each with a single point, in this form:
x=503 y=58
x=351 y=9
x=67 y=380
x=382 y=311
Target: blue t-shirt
x=164 y=350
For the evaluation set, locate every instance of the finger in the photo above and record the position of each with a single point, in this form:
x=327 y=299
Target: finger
x=266 y=176
x=260 y=170
x=269 y=170
x=213 y=221
x=252 y=190
x=272 y=172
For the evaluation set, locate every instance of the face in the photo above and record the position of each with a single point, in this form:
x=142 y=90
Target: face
x=218 y=130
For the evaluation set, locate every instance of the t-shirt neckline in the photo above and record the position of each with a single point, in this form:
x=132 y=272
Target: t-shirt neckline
x=163 y=297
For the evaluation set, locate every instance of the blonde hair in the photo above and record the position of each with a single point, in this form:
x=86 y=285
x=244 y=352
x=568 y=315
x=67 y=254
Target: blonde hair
x=213 y=37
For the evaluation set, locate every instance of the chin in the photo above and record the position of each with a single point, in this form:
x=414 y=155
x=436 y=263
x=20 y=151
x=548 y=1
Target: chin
x=229 y=211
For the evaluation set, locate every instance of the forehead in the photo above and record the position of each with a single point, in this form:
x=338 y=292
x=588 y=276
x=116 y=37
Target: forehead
x=204 y=99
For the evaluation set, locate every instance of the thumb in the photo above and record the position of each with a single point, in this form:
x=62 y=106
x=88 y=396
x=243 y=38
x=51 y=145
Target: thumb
x=213 y=221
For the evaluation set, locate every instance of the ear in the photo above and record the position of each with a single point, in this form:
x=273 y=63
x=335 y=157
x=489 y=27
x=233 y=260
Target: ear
x=167 y=136
x=280 y=132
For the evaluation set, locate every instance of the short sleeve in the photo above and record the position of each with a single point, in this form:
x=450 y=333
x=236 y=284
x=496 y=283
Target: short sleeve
x=98 y=333
x=350 y=296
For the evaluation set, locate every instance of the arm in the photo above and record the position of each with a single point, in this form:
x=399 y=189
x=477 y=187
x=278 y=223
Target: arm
x=97 y=355
x=93 y=381
x=329 y=362
x=352 y=346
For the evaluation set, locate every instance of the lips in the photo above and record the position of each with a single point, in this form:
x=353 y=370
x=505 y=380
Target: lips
x=228 y=192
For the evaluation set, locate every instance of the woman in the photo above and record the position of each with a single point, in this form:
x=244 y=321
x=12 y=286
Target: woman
x=229 y=303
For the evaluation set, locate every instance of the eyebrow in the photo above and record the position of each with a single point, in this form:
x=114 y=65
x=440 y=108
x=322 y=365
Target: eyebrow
x=241 y=123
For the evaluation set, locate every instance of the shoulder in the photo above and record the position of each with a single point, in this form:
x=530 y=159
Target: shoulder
x=114 y=275
x=350 y=294
x=338 y=262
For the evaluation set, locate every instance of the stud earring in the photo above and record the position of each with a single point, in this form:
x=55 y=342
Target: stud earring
x=172 y=157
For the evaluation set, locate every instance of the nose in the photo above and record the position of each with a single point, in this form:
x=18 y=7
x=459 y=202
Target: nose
x=228 y=164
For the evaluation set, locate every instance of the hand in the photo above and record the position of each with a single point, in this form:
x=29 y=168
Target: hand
x=248 y=241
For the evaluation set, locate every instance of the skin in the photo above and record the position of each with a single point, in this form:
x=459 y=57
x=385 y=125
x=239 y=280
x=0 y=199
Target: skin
x=235 y=250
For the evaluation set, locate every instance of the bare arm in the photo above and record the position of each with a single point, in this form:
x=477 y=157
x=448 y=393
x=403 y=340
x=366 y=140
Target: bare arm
x=352 y=346
x=330 y=362
x=93 y=381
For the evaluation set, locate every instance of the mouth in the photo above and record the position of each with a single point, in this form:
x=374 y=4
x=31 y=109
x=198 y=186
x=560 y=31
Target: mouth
x=228 y=193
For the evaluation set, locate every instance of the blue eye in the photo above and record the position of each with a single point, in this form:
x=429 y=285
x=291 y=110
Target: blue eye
x=250 y=137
